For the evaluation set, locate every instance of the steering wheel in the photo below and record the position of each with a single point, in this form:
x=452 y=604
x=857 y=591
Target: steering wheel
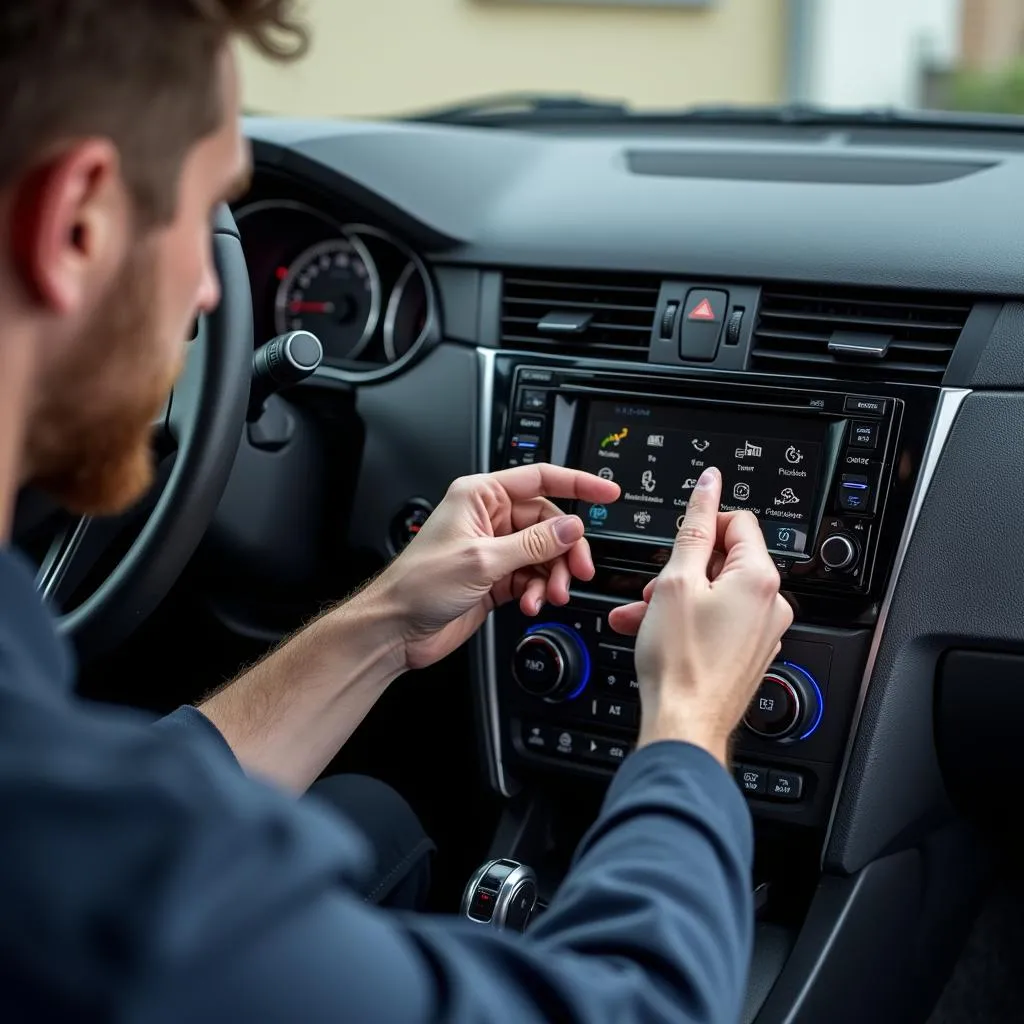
x=201 y=426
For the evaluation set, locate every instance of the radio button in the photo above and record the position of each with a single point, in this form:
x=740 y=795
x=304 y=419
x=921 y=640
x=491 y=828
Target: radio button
x=855 y=493
x=865 y=406
x=865 y=435
x=530 y=424
x=533 y=400
x=839 y=552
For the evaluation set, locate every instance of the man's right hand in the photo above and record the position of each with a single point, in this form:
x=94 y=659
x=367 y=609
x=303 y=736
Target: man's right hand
x=708 y=626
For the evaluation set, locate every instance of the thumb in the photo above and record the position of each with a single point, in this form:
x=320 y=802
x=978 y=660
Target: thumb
x=535 y=545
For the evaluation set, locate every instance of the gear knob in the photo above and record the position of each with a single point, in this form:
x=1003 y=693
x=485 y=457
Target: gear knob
x=501 y=893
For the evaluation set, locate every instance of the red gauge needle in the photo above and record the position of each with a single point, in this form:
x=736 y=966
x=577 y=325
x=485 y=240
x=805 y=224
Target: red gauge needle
x=299 y=306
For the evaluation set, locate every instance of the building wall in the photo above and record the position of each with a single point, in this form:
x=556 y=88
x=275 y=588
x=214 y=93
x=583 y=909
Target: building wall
x=875 y=52
x=381 y=57
x=993 y=33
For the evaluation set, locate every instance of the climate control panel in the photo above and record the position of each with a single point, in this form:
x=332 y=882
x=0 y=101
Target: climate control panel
x=568 y=700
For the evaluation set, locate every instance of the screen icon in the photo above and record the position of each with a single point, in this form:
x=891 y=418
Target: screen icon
x=655 y=440
x=597 y=514
x=785 y=535
x=741 y=492
x=613 y=440
x=700 y=444
x=605 y=473
x=689 y=483
x=749 y=451
x=794 y=456
x=787 y=497
x=641 y=518
x=647 y=481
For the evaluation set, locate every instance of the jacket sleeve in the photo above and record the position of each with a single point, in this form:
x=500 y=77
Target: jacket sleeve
x=653 y=923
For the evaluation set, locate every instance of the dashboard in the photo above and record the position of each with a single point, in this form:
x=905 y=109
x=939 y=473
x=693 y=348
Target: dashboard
x=836 y=318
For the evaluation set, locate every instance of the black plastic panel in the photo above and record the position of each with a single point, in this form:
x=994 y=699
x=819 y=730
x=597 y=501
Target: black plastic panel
x=979 y=730
x=962 y=585
x=1001 y=362
x=551 y=201
x=420 y=435
x=880 y=946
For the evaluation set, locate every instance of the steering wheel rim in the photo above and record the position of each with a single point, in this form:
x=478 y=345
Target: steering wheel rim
x=205 y=417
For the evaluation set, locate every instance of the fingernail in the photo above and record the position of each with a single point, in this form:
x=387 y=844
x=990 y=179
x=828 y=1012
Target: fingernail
x=567 y=529
x=707 y=478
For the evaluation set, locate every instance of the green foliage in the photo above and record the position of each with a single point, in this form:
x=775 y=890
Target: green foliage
x=1000 y=92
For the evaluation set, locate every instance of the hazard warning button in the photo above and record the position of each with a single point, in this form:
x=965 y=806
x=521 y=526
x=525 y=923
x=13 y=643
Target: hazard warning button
x=703 y=317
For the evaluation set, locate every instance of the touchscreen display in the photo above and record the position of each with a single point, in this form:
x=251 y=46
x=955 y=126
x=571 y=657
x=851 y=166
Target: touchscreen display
x=769 y=465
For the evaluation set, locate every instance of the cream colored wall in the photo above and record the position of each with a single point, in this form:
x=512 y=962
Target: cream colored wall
x=379 y=57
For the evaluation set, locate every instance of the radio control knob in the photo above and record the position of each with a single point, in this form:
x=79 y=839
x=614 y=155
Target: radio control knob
x=551 y=662
x=787 y=705
x=839 y=551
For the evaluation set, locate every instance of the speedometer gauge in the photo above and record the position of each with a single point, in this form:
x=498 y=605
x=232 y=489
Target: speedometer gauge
x=332 y=289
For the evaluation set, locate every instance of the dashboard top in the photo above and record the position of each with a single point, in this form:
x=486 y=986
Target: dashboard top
x=828 y=209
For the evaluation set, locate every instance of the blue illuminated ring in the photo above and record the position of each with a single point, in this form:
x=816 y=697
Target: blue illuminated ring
x=580 y=645
x=817 y=689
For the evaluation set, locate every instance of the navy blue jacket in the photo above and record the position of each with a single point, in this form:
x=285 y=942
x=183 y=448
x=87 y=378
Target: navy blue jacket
x=145 y=878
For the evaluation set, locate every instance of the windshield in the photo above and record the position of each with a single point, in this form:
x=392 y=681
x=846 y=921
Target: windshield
x=603 y=59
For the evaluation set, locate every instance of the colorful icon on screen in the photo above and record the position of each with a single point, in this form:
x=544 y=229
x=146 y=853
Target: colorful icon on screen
x=597 y=514
x=612 y=440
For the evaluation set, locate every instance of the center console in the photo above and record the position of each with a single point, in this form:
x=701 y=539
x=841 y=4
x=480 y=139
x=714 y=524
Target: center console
x=828 y=473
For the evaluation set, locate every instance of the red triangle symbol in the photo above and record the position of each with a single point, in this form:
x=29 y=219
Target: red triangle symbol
x=702 y=311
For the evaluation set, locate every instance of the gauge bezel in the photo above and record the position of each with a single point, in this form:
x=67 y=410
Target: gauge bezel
x=428 y=337
x=302 y=260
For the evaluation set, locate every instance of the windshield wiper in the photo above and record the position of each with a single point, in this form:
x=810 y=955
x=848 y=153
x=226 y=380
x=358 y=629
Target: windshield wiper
x=509 y=108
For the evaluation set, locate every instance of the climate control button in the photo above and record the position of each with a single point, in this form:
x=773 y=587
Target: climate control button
x=551 y=661
x=787 y=705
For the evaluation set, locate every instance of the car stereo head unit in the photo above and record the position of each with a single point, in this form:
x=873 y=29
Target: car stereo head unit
x=813 y=467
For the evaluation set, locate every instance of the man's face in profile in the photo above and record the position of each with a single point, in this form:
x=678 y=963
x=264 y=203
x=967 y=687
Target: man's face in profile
x=89 y=445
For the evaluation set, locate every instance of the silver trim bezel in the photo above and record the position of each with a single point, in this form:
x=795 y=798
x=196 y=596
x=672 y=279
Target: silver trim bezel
x=485 y=642
x=946 y=411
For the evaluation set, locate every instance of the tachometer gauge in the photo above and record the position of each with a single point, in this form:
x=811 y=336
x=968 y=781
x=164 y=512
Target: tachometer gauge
x=332 y=289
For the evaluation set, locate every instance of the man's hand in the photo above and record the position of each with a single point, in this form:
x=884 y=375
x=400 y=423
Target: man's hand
x=708 y=626
x=494 y=538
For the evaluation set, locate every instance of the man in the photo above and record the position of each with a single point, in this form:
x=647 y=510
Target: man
x=159 y=873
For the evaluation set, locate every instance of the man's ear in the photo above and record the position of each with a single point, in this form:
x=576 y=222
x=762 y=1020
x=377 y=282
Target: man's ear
x=70 y=225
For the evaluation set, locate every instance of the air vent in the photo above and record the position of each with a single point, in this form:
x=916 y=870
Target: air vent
x=857 y=334
x=609 y=315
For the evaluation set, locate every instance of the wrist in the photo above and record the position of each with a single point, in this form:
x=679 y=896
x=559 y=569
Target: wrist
x=370 y=622
x=684 y=727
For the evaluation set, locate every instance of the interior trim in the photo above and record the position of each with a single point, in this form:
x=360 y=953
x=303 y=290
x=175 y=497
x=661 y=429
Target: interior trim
x=949 y=403
x=485 y=653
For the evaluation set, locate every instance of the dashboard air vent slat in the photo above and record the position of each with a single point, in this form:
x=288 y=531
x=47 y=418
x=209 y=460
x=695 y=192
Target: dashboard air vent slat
x=795 y=326
x=615 y=311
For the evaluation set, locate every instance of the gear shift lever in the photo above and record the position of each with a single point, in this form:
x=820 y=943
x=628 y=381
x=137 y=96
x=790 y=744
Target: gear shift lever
x=501 y=893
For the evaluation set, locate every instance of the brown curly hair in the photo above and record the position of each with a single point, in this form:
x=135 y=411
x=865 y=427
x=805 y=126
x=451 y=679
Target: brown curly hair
x=140 y=72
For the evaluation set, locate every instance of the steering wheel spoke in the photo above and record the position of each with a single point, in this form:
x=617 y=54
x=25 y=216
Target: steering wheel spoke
x=73 y=554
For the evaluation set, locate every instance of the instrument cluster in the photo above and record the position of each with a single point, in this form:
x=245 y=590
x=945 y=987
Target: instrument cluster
x=363 y=292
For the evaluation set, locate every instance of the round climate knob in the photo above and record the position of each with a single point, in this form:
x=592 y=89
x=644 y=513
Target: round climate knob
x=839 y=551
x=787 y=706
x=551 y=661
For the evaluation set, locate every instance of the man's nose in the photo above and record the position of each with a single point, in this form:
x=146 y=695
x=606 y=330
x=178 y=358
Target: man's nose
x=209 y=291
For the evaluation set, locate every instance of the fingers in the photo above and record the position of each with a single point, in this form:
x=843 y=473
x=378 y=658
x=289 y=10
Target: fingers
x=532 y=599
x=543 y=542
x=558 y=582
x=626 y=618
x=696 y=538
x=525 y=482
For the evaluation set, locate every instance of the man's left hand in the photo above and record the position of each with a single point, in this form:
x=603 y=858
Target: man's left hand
x=494 y=538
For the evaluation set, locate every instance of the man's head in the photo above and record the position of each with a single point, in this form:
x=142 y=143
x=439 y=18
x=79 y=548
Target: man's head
x=120 y=136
